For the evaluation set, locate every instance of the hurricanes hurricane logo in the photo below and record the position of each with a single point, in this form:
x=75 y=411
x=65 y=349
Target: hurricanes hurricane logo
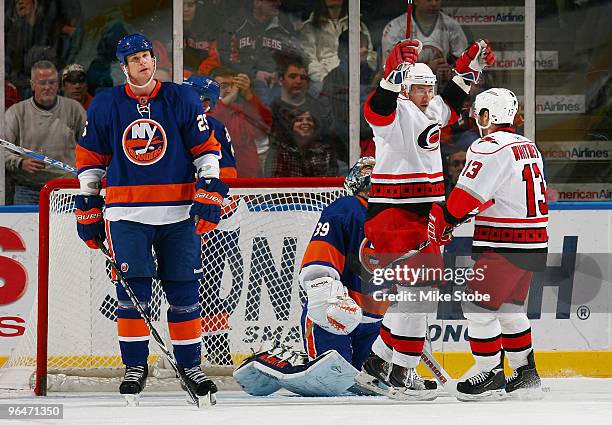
x=429 y=139
x=144 y=141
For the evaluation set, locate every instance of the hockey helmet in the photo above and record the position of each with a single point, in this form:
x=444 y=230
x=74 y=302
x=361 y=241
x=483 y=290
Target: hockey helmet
x=132 y=43
x=501 y=103
x=419 y=73
x=206 y=87
x=358 y=179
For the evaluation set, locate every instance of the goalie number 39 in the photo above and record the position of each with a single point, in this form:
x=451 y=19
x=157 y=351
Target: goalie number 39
x=322 y=229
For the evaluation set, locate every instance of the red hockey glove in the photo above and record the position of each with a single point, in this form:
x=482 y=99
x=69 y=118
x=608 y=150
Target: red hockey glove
x=471 y=62
x=206 y=207
x=90 y=224
x=404 y=52
x=440 y=225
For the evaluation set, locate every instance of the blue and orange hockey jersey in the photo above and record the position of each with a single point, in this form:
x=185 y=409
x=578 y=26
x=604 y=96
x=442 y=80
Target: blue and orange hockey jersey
x=333 y=251
x=149 y=147
x=227 y=163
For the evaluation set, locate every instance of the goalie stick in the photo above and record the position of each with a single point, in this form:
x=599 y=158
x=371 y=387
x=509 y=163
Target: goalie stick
x=39 y=156
x=158 y=339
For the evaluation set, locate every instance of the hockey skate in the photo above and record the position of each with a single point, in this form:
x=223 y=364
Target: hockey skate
x=374 y=376
x=483 y=386
x=525 y=383
x=134 y=381
x=407 y=384
x=203 y=387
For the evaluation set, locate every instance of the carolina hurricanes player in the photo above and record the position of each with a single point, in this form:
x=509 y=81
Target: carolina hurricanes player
x=510 y=242
x=406 y=117
x=150 y=139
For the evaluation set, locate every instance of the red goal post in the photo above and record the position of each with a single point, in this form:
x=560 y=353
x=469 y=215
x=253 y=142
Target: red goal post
x=249 y=294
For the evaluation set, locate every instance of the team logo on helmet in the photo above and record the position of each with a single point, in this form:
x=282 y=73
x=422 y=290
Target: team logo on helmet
x=429 y=139
x=144 y=141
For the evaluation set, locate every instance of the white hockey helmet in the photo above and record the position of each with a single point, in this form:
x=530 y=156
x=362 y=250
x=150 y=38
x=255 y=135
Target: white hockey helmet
x=501 y=103
x=419 y=73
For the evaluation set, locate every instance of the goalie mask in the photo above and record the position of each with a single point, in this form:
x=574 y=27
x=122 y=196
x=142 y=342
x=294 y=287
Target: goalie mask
x=358 y=180
x=501 y=104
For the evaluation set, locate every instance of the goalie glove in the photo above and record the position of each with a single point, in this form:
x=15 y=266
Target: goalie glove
x=90 y=223
x=330 y=307
x=470 y=64
x=440 y=226
x=403 y=55
x=206 y=207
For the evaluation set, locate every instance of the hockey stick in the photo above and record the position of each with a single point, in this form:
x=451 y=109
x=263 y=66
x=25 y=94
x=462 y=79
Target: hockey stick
x=146 y=148
x=27 y=152
x=426 y=243
x=439 y=373
x=409 y=19
x=158 y=339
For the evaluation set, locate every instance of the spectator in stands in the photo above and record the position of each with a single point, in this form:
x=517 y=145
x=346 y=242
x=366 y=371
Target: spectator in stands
x=100 y=74
x=247 y=119
x=294 y=96
x=11 y=95
x=455 y=163
x=200 y=55
x=67 y=31
x=74 y=84
x=442 y=37
x=254 y=39
x=31 y=25
x=45 y=123
x=335 y=92
x=319 y=38
x=301 y=152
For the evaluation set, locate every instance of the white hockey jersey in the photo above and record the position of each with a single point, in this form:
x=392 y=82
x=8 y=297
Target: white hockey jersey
x=408 y=162
x=446 y=36
x=507 y=168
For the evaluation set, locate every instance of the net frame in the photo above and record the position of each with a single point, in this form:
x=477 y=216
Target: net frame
x=42 y=299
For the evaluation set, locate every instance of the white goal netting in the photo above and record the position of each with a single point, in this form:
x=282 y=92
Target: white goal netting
x=249 y=294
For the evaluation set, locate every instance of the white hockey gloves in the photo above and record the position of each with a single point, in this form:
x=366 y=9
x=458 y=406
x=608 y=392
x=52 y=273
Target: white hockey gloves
x=330 y=306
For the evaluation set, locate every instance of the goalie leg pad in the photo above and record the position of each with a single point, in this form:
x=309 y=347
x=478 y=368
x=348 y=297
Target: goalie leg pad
x=184 y=321
x=254 y=380
x=131 y=328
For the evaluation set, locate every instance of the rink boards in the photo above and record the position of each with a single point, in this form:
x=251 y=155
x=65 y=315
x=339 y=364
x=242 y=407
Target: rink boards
x=569 y=304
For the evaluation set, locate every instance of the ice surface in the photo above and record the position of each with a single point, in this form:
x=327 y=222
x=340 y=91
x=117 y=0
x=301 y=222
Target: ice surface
x=575 y=401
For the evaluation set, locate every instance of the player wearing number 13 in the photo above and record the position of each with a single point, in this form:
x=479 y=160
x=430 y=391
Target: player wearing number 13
x=151 y=139
x=510 y=242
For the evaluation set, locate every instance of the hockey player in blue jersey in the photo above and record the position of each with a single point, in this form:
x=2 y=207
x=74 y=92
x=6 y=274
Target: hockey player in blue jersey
x=340 y=320
x=152 y=142
x=221 y=243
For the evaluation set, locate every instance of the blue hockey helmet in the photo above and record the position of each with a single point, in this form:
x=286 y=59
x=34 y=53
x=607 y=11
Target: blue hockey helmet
x=358 y=179
x=133 y=43
x=206 y=87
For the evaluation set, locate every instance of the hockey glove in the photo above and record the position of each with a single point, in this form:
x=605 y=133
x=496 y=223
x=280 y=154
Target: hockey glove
x=470 y=64
x=330 y=306
x=206 y=207
x=440 y=225
x=403 y=55
x=90 y=223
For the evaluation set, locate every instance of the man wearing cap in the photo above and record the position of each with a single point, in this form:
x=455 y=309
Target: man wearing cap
x=74 y=84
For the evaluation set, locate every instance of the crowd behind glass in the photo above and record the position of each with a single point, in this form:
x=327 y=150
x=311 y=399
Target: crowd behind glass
x=282 y=66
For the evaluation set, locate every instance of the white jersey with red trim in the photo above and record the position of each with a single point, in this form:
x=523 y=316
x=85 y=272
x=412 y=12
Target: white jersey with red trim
x=408 y=162
x=507 y=168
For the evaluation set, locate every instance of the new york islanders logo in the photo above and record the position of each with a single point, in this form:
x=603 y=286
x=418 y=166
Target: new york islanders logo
x=144 y=141
x=429 y=139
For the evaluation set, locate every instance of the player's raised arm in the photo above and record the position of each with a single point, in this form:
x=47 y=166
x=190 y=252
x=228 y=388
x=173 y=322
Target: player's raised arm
x=380 y=107
x=468 y=70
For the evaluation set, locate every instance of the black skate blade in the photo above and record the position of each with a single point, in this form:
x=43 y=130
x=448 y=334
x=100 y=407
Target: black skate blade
x=203 y=401
x=491 y=395
x=132 y=400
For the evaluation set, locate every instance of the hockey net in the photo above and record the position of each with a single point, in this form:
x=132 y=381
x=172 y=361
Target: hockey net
x=249 y=294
